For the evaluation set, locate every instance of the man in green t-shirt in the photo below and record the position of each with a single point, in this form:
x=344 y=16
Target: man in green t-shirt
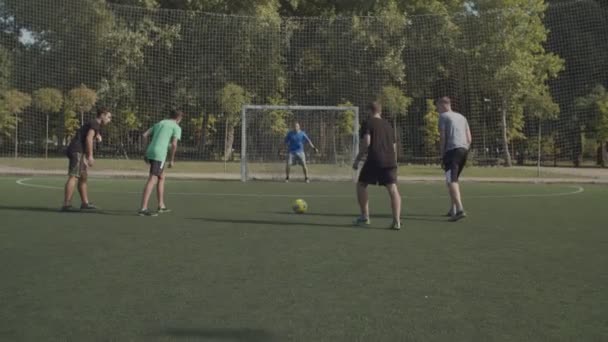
x=164 y=134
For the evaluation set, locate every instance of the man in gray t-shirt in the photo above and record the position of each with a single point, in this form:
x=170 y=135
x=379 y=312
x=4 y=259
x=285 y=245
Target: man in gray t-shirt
x=455 y=140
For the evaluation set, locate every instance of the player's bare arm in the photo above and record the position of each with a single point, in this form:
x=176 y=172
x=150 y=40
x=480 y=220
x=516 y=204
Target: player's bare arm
x=90 y=137
x=365 y=142
x=442 y=142
x=173 y=150
x=469 y=136
x=312 y=145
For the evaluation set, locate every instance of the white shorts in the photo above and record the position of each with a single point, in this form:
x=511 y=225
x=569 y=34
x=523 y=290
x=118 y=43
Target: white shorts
x=296 y=158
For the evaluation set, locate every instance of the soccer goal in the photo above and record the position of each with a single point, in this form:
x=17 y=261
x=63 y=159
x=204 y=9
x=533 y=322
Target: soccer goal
x=332 y=129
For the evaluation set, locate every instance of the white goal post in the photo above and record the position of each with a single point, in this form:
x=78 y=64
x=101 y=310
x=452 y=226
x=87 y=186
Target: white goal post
x=333 y=129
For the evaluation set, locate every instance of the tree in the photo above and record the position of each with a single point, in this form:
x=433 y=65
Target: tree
x=15 y=103
x=231 y=99
x=81 y=100
x=48 y=101
x=509 y=58
x=431 y=129
x=593 y=112
x=395 y=103
x=541 y=108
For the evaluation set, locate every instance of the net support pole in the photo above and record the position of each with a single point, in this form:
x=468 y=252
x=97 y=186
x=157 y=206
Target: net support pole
x=244 y=144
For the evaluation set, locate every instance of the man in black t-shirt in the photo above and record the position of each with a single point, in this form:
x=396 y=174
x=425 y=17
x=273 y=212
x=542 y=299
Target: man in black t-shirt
x=378 y=142
x=80 y=156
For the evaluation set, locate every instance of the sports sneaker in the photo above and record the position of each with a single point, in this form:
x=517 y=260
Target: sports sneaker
x=163 y=210
x=286 y=180
x=307 y=180
x=66 y=208
x=146 y=212
x=459 y=216
x=362 y=221
x=396 y=225
x=87 y=206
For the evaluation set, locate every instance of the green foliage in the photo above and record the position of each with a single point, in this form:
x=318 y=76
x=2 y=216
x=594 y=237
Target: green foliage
x=231 y=99
x=129 y=120
x=541 y=106
x=48 y=100
x=81 y=99
x=6 y=68
x=15 y=101
x=210 y=129
x=593 y=111
x=7 y=121
x=346 y=119
x=431 y=129
x=71 y=124
x=394 y=101
x=277 y=120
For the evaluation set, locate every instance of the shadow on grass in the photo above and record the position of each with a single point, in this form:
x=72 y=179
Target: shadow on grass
x=407 y=217
x=71 y=212
x=237 y=335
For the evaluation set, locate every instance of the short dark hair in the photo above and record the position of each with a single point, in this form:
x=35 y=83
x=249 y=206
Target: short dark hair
x=444 y=100
x=375 y=107
x=176 y=113
x=102 y=110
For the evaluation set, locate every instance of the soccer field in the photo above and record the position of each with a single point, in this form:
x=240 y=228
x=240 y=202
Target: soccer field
x=232 y=263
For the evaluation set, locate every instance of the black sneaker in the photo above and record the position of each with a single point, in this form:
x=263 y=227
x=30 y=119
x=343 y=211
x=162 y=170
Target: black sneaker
x=88 y=206
x=146 y=212
x=459 y=216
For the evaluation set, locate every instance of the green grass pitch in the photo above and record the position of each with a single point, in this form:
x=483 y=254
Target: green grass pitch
x=232 y=263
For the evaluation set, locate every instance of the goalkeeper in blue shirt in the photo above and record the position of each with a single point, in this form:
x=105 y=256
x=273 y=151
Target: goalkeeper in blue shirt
x=295 y=141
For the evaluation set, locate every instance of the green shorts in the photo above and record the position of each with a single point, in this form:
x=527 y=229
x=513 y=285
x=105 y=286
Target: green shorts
x=77 y=166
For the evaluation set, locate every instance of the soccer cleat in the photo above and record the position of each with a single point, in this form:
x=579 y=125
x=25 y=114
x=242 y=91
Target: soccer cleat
x=66 y=208
x=362 y=221
x=88 y=206
x=146 y=212
x=163 y=210
x=459 y=215
x=396 y=225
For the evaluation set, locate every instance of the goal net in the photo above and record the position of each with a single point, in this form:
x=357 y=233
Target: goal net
x=332 y=129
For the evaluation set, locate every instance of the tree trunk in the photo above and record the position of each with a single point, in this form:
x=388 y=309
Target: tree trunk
x=538 y=157
x=228 y=140
x=46 y=141
x=16 y=136
x=505 y=141
x=578 y=147
x=603 y=154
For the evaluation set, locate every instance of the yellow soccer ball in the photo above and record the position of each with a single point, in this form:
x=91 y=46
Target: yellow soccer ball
x=299 y=206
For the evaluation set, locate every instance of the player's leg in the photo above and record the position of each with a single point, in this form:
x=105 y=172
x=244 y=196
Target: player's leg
x=302 y=160
x=447 y=167
x=389 y=180
x=366 y=177
x=288 y=165
x=70 y=184
x=83 y=187
x=160 y=194
x=456 y=167
x=149 y=187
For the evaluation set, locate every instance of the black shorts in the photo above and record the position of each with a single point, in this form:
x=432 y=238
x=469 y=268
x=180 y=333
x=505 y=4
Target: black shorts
x=77 y=166
x=372 y=174
x=453 y=163
x=156 y=167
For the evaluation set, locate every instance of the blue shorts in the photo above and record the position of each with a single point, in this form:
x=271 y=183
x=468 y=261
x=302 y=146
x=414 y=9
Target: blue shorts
x=296 y=158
